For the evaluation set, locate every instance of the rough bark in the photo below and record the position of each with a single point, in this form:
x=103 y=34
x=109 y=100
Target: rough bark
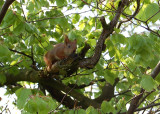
x=135 y=101
x=4 y=9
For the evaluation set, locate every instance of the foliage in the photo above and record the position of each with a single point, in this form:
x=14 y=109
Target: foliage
x=30 y=27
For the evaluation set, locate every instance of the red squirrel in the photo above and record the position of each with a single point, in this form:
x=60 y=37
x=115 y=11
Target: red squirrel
x=60 y=51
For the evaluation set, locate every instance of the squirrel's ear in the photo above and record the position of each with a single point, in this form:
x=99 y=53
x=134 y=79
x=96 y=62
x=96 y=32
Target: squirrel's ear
x=66 y=40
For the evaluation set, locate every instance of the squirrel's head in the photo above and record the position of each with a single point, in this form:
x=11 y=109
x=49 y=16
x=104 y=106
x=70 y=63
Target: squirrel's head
x=69 y=46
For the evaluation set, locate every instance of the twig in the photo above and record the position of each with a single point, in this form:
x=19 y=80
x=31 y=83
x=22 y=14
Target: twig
x=153 y=15
x=21 y=53
x=149 y=106
x=63 y=99
x=144 y=98
x=9 y=67
x=147 y=28
x=58 y=16
x=31 y=57
x=121 y=93
x=33 y=61
x=132 y=16
x=23 y=10
x=128 y=69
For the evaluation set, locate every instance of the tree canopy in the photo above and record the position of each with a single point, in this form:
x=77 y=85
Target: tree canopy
x=116 y=66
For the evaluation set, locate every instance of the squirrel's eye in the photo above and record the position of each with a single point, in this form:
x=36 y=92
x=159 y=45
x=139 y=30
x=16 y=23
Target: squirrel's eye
x=69 y=46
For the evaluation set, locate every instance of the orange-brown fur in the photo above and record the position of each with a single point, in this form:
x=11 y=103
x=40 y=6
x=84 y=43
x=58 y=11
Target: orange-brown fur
x=60 y=51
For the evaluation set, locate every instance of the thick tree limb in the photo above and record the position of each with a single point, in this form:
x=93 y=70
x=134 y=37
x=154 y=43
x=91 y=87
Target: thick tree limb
x=22 y=75
x=156 y=71
x=135 y=101
x=107 y=30
x=107 y=92
x=58 y=95
x=5 y=8
x=85 y=102
x=34 y=76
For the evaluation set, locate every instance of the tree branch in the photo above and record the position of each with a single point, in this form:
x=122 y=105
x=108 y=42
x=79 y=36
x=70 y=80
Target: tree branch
x=5 y=8
x=149 y=106
x=132 y=16
x=156 y=71
x=84 y=101
x=31 y=57
x=21 y=53
x=107 y=92
x=35 y=77
x=58 y=95
x=135 y=100
x=107 y=30
x=84 y=85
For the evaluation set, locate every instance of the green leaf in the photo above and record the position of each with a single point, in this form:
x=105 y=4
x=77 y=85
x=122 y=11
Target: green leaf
x=158 y=78
x=30 y=7
x=91 y=110
x=118 y=38
x=39 y=50
x=22 y=96
x=74 y=35
x=4 y=51
x=19 y=29
x=111 y=48
x=116 y=30
x=110 y=76
x=44 y=3
x=148 y=12
x=107 y=107
x=37 y=4
x=51 y=104
x=152 y=95
x=13 y=39
x=31 y=28
x=63 y=22
x=31 y=40
x=2 y=78
x=41 y=105
x=61 y=3
x=75 y=18
x=147 y=83
x=31 y=106
x=13 y=63
x=92 y=22
x=81 y=25
x=52 y=1
x=9 y=18
x=1 y=4
x=121 y=105
x=146 y=1
x=136 y=89
x=81 y=111
x=80 y=4
x=92 y=42
x=84 y=80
